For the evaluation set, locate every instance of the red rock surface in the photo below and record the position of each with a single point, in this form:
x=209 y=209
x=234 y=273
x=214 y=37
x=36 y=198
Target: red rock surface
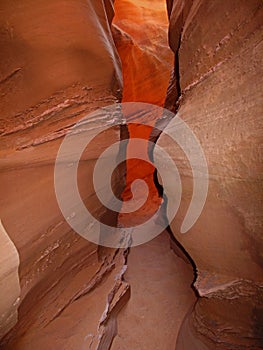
x=160 y=297
x=160 y=281
x=219 y=49
x=58 y=63
x=140 y=33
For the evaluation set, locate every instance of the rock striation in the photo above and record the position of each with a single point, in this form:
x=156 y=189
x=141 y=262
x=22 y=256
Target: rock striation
x=140 y=34
x=216 y=90
x=58 y=64
x=140 y=31
x=59 y=61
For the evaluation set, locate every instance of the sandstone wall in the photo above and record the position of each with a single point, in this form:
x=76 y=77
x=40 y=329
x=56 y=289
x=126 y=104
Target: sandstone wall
x=58 y=63
x=218 y=53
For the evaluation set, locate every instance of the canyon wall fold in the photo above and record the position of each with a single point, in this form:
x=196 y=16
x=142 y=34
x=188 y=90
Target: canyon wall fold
x=140 y=32
x=58 y=63
x=9 y=282
x=218 y=55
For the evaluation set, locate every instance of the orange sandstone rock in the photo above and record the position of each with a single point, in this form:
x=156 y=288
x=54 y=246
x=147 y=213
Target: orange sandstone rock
x=219 y=52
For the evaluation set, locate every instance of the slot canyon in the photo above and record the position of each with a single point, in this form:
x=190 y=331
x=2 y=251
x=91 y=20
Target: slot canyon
x=113 y=72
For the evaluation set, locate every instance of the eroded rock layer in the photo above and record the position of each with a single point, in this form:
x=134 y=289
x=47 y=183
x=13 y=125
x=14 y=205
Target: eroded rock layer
x=218 y=52
x=140 y=31
x=140 y=34
x=58 y=63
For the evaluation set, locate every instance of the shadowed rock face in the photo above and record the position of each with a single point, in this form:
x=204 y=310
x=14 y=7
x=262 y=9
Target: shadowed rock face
x=218 y=49
x=58 y=63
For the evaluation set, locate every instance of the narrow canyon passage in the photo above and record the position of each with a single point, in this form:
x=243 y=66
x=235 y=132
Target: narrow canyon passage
x=70 y=278
x=160 y=281
x=67 y=281
x=160 y=297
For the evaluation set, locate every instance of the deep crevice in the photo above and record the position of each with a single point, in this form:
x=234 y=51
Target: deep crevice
x=175 y=246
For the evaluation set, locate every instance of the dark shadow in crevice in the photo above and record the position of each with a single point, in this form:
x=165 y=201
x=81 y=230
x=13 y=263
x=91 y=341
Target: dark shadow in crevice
x=175 y=245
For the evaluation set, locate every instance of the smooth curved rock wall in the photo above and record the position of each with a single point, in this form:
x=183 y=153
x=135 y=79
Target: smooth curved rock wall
x=219 y=49
x=58 y=63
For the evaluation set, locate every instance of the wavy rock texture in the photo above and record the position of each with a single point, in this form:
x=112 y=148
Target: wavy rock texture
x=160 y=281
x=58 y=63
x=140 y=30
x=140 y=34
x=218 y=51
x=9 y=283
